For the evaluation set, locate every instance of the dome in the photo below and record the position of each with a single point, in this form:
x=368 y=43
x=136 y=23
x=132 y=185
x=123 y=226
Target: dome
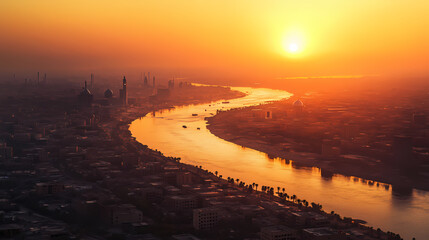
x=85 y=92
x=298 y=103
x=108 y=93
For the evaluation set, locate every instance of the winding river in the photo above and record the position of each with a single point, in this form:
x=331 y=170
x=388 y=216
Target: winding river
x=379 y=205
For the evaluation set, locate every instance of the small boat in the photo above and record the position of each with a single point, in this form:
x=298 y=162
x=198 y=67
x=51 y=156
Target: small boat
x=194 y=114
x=225 y=102
x=198 y=128
x=184 y=126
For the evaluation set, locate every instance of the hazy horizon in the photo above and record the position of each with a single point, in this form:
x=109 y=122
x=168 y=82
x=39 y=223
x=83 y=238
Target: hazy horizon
x=231 y=42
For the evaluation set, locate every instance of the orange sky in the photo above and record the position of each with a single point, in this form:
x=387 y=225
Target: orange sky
x=216 y=39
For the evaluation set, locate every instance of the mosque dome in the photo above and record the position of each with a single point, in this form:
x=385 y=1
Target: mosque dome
x=108 y=93
x=298 y=103
x=85 y=92
x=85 y=97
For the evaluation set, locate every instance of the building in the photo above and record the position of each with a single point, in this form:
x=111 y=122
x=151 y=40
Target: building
x=184 y=178
x=205 y=218
x=5 y=152
x=85 y=97
x=184 y=237
x=49 y=188
x=181 y=203
x=324 y=233
x=171 y=84
x=163 y=92
x=124 y=213
x=403 y=151
x=108 y=93
x=278 y=232
x=123 y=95
x=145 y=84
x=298 y=106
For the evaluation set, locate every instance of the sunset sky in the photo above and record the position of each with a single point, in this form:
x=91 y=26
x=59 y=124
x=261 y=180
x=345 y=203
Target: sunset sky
x=212 y=39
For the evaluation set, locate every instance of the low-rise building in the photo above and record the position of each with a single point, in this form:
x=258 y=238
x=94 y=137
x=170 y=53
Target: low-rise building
x=278 y=232
x=205 y=218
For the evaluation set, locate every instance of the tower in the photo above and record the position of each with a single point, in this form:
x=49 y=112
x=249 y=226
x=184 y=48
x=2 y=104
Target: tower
x=123 y=92
x=92 y=81
x=145 y=80
x=153 y=81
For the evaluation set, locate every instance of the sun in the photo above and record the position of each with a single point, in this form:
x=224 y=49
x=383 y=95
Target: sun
x=293 y=48
x=294 y=44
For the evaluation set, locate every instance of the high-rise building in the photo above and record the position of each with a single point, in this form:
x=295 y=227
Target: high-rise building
x=145 y=80
x=123 y=92
x=153 y=82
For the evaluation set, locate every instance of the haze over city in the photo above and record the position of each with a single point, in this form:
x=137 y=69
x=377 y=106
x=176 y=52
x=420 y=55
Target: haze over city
x=232 y=40
x=271 y=120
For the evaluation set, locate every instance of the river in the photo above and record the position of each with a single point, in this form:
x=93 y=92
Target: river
x=406 y=214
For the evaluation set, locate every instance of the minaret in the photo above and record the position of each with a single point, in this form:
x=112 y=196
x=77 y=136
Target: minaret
x=124 y=91
x=153 y=81
x=92 y=81
x=145 y=80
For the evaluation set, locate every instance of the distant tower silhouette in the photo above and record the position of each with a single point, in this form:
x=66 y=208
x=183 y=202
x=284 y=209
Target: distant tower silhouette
x=44 y=79
x=153 y=81
x=148 y=76
x=38 y=79
x=123 y=92
x=145 y=80
x=92 y=81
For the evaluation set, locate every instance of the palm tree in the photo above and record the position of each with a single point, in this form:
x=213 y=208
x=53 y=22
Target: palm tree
x=278 y=190
x=293 y=197
x=256 y=187
x=283 y=190
x=237 y=180
x=220 y=176
x=216 y=173
x=305 y=202
x=286 y=196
